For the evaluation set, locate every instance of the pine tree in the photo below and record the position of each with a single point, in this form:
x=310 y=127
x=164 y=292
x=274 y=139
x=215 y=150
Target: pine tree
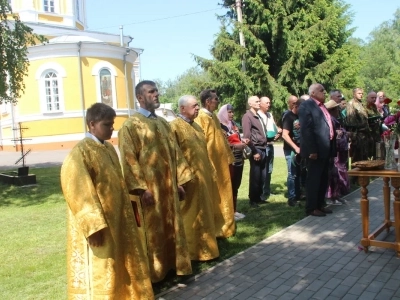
x=289 y=45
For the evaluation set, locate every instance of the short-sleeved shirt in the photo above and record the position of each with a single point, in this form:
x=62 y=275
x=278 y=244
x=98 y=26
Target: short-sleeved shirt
x=287 y=123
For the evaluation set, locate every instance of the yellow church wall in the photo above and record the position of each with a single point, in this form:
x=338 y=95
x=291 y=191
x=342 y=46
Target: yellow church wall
x=7 y=132
x=90 y=85
x=50 y=18
x=55 y=127
x=48 y=127
x=37 y=4
x=29 y=103
x=79 y=26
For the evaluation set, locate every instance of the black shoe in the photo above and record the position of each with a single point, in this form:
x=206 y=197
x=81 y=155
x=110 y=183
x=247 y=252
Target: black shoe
x=293 y=202
x=253 y=204
x=326 y=210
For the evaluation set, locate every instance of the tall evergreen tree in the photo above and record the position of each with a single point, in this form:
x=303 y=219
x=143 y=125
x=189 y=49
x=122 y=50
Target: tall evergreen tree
x=289 y=45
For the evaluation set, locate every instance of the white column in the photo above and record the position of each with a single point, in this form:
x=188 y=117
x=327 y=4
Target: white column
x=69 y=13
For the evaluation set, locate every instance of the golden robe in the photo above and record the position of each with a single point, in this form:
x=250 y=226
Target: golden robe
x=197 y=209
x=221 y=157
x=152 y=160
x=97 y=199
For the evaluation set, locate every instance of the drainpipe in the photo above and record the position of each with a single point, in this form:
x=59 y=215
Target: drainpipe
x=126 y=84
x=81 y=87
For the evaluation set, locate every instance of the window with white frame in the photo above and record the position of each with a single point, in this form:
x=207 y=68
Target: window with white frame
x=50 y=76
x=48 y=5
x=52 y=91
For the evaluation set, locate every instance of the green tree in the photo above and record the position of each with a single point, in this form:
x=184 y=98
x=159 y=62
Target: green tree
x=191 y=82
x=289 y=45
x=381 y=58
x=15 y=37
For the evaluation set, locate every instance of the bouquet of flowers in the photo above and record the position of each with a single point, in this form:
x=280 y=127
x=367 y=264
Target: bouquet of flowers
x=387 y=101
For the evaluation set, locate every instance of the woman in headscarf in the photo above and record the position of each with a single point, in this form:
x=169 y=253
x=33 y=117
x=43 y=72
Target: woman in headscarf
x=225 y=116
x=339 y=184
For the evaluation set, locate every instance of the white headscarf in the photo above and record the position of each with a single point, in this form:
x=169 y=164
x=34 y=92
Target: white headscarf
x=223 y=115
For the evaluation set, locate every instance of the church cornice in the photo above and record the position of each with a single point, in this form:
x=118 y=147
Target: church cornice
x=57 y=30
x=87 y=49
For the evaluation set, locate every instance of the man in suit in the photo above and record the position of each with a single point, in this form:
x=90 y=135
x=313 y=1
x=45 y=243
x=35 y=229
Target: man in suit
x=253 y=129
x=317 y=146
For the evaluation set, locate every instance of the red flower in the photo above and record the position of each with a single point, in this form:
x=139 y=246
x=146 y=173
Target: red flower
x=387 y=101
x=398 y=103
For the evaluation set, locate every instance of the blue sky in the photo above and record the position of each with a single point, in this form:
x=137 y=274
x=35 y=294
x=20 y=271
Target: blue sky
x=170 y=42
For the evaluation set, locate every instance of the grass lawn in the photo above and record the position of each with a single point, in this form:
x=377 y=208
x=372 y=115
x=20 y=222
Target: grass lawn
x=33 y=235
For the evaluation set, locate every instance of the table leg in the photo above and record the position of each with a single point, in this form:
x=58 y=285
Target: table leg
x=396 y=211
x=386 y=201
x=364 y=181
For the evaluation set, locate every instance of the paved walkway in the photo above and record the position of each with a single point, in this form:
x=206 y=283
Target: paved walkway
x=316 y=258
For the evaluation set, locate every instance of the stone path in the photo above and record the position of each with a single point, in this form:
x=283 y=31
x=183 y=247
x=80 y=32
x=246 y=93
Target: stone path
x=316 y=258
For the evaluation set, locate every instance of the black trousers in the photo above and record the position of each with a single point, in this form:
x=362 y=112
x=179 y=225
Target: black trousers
x=316 y=183
x=257 y=176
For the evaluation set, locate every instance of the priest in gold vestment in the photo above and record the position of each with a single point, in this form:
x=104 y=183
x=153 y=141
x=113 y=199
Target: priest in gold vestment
x=106 y=258
x=197 y=209
x=155 y=170
x=221 y=157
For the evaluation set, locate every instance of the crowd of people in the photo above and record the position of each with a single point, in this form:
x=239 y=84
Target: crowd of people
x=173 y=191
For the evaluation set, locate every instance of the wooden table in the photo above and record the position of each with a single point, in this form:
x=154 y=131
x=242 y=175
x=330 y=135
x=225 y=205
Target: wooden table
x=368 y=239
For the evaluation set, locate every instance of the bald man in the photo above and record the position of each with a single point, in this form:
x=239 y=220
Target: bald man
x=317 y=147
x=254 y=130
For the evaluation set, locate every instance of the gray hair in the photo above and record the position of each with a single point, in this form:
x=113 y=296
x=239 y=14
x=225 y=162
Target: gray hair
x=313 y=87
x=183 y=101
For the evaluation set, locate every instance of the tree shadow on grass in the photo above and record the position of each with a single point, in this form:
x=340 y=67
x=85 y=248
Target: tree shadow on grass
x=47 y=189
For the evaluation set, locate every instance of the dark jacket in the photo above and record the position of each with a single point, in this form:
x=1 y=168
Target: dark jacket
x=314 y=130
x=254 y=131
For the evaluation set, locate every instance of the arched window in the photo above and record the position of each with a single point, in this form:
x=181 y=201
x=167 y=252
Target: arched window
x=48 y=5
x=52 y=91
x=106 y=88
x=104 y=74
